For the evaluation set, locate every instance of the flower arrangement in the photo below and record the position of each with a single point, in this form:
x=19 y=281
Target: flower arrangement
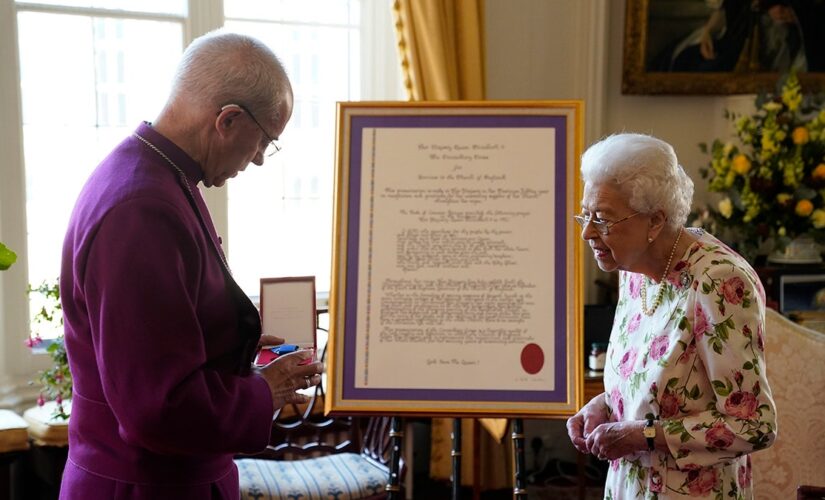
x=57 y=381
x=773 y=180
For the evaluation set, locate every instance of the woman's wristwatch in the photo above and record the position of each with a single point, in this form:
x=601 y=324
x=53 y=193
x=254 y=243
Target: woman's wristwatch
x=649 y=432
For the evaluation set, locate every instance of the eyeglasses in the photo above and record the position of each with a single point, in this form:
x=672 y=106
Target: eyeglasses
x=271 y=147
x=601 y=225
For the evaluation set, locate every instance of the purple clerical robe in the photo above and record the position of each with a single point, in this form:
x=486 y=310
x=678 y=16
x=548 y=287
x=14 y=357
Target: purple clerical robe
x=152 y=334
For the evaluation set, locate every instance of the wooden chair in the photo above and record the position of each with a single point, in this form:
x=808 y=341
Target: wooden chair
x=805 y=492
x=315 y=456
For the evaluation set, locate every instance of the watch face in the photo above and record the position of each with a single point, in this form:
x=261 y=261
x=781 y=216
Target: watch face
x=650 y=432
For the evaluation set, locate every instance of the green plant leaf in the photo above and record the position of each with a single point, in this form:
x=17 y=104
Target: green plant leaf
x=7 y=257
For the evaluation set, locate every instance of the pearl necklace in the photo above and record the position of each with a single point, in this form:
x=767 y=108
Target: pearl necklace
x=658 y=299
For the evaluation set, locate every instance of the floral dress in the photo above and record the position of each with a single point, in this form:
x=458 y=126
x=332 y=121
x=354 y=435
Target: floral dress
x=697 y=364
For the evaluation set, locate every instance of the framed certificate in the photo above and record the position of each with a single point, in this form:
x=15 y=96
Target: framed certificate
x=288 y=309
x=456 y=283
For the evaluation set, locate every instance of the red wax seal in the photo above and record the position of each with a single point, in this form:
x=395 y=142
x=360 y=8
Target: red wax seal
x=532 y=358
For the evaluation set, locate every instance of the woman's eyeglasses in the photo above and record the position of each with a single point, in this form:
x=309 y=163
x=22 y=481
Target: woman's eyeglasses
x=601 y=225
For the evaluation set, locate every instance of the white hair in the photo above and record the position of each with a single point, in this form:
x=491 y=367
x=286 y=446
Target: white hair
x=222 y=68
x=645 y=169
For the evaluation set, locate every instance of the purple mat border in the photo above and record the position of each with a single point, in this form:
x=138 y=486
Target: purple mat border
x=357 y=126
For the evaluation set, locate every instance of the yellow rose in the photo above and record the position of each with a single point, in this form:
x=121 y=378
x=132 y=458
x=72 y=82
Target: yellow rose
x=804 y=208
x=741 y=164
x=771 y=106
x=819 y=172
x=726 y=208
x=818 y=218
x=783 y=198
x=800 y=135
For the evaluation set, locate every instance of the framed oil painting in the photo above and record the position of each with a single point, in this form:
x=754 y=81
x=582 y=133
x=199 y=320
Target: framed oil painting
x=722 y=46
x=456 y=283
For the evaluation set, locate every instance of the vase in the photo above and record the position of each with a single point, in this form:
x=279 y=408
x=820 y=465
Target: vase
x=801 y=250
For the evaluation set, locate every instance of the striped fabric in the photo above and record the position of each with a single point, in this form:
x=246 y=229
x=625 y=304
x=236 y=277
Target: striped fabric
x=342 y=476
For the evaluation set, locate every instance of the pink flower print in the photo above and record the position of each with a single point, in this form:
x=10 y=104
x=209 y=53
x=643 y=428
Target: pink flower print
x=669 y=405
x=634 y=323
x=627 y=362
x=617 y=402
x=659 y=347
x=686 y=356
x=634 y=284
x=746 y=331
x=655 y=481
x=737 y=377
x=719 y=436
x=674 y=277
x=614 y=464
x=741 y=404
x=745 y=473
x=701 y=324
x=700 y=482
x=733 y=290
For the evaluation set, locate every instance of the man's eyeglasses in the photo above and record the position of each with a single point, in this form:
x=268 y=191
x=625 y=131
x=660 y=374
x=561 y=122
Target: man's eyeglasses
x=272 y=147
x=601 y=225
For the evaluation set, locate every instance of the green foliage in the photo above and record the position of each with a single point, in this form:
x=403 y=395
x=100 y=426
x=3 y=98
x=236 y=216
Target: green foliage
x=7 y=257
x=56 y=382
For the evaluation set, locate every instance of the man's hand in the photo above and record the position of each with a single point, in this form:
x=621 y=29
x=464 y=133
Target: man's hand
x=269 y=340
x=286 y=376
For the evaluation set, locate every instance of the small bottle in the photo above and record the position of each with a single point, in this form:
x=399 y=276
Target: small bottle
x=598 y=353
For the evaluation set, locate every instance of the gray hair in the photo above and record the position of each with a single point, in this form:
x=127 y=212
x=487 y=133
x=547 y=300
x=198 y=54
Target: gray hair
x=645 y=169
x=222 y=68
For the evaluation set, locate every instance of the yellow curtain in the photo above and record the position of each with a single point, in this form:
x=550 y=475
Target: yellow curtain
x=441 y=48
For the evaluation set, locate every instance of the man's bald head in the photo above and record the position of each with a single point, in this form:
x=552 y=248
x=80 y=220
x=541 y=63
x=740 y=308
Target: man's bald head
x=222 y=68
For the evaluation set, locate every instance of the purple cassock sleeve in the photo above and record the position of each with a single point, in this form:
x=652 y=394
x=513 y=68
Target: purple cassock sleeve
x=161 y=342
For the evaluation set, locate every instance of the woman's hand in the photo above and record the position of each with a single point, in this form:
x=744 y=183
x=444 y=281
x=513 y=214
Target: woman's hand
x=580 y=425
x=613 y=440
x=286 y=376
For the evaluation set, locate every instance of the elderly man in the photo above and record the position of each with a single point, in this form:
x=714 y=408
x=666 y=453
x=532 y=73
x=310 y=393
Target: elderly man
x=160 y=337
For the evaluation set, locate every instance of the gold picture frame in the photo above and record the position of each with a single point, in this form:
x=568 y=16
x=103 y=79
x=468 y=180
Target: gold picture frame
x=424 y=191
x=651 y=28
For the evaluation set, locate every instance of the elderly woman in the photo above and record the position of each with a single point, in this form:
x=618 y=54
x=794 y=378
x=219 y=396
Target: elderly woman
x=686 y=398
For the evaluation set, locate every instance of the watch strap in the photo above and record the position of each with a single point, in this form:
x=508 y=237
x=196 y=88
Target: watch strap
x=651 y=444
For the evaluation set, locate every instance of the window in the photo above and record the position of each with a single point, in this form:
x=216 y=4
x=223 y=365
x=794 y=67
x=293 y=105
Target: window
x=84 y=87
x=280 y=215
x=91 y=70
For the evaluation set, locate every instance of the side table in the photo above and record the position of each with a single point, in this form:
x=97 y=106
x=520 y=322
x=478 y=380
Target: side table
x=49 y=450
x=14 y=441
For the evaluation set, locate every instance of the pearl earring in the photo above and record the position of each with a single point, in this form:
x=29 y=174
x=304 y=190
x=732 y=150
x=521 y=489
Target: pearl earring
x=649 y=239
